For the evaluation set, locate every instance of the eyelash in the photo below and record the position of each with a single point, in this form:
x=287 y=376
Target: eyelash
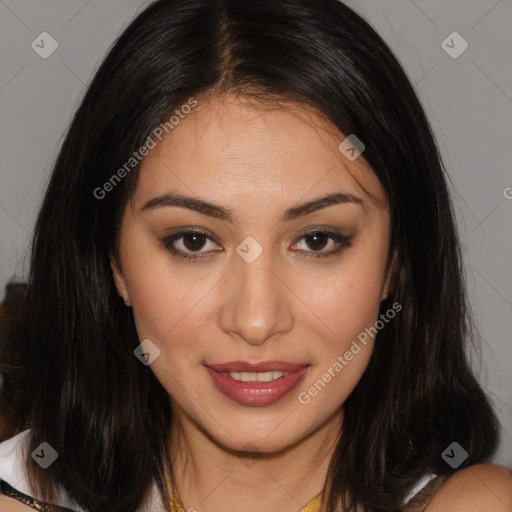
x=344 y=243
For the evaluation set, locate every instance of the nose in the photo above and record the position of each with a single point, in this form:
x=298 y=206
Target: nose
x=256 y=303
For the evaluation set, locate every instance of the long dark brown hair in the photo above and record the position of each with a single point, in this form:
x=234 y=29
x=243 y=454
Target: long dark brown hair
x=68 y=365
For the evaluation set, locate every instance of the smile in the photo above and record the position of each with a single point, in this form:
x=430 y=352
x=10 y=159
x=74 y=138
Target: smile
x=257 y=388
x=256 y=377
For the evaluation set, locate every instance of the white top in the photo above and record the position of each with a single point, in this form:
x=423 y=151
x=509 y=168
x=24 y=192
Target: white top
x=12 y=471
x=419 y=486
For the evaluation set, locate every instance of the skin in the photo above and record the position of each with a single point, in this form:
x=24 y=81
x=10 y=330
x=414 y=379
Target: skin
x=479 y=488
x=258 y=163
x=281 y=306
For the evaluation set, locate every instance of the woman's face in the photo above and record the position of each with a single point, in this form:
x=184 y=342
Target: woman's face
x=262 y=290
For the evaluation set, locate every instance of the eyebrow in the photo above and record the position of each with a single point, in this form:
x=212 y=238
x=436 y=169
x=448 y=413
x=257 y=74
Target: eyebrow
x=219 y=212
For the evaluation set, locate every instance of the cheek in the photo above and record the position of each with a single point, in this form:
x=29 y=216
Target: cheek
x=167 y=308
x=348 y=300
x=350 y=310
x=162 y=296
x=349 y=307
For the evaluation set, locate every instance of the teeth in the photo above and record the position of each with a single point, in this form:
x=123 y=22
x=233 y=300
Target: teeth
x=253 y=376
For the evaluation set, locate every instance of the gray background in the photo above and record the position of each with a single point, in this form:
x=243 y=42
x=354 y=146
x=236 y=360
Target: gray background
x=468 y=100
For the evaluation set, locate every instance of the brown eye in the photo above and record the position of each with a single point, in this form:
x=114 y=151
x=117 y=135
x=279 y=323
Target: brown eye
x=194 y=241
x=317 y=241
x=189 y=244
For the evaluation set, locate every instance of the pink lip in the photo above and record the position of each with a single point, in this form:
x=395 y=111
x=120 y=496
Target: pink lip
x=257 y=394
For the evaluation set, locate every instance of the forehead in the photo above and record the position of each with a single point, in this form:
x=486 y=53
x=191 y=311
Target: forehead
x=227 y=146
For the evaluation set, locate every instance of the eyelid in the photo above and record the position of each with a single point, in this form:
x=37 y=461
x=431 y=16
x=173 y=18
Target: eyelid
x=192 y=231
x=343 y=242
x=168 y=242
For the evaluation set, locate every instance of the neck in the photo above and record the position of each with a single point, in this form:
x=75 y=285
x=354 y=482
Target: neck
x=212 y=477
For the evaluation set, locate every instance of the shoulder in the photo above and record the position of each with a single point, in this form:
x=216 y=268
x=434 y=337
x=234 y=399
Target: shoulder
x=479 y=488
x=11 y=505
x=16 y=493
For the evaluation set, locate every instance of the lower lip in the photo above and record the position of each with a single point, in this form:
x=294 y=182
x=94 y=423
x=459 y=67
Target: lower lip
x=257 y=394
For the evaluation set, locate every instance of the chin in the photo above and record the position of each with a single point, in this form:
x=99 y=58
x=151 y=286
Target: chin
x=259 y=442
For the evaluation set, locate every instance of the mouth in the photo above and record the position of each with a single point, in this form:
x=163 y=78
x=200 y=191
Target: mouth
x=256 y=384
x=256 y=376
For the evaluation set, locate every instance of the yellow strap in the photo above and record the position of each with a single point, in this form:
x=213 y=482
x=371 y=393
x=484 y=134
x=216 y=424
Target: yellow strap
x=315 y=505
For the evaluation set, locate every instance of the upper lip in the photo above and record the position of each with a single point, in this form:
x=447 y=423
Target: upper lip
x=263 y=366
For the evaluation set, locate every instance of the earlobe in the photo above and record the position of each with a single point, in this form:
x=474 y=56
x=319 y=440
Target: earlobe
x=119 y=280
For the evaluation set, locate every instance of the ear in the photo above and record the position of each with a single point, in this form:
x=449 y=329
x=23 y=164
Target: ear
x=389 y=278
x=119 y=280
